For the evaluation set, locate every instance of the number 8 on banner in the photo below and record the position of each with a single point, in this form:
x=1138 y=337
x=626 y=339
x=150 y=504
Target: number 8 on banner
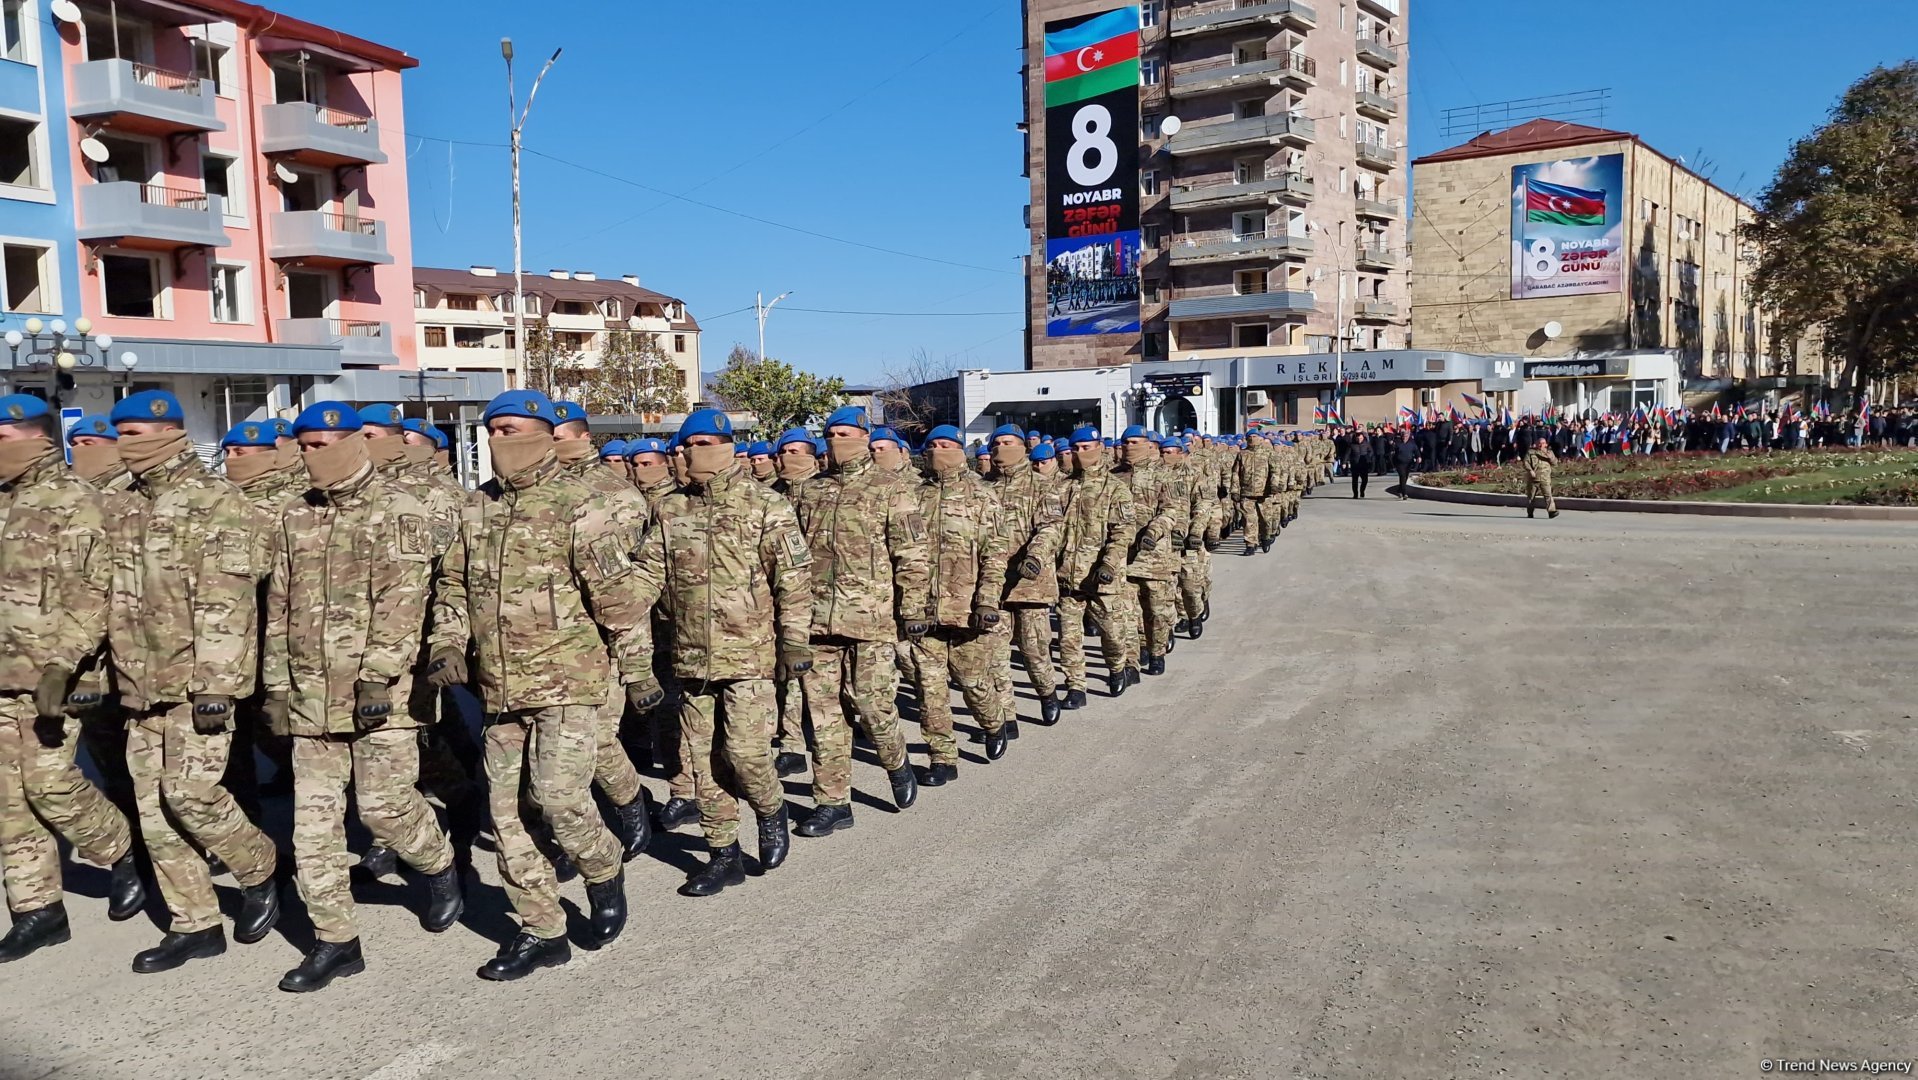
x=1091 y=128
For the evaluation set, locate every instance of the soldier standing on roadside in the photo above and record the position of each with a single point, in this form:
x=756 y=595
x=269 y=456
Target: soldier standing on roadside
x=1032 y=514
x=1098 y=532
x=1538 y=479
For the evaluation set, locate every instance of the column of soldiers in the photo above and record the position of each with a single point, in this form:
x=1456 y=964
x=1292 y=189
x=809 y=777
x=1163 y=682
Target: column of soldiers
x=336 y=604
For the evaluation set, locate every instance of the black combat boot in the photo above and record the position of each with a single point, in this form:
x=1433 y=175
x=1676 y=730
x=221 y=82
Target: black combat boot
x=721 y=870
x=941 y=774
x=325 y=962
x=677 y=812
x=35 y=930
x=1267 y=546
x=1012 y=728
x=444 y=901
x=1197 y=629
x=995 y=744
x=524 y=955
x=1531 y=512
x=1048 y=710
x=1116 y=683
x=1075 y=699
x=826 y=820
x=606 y=908
x=259 y=911
x=1182 y=626
x=775 y=839
x=1155 y=665
x=789 y=763
x=176 y=949
x=126 y=893
x=1551 y=513
x=1132 y=676
x=636 y=823
x=378 y=862
x=905 y=786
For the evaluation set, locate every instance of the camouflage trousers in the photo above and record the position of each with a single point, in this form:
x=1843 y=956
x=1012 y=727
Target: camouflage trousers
x=383 y=768
x=554 y=748
x=612 y=770
x=184 y=811
x=1195 y=582
x=1033 y=627
x=1536 y=487
x=51 y=797
x=1290 y=506
x=791 y=735
x=1273 y=510
x=1072 y=634
x=727 y=729
x=867 y=673
x=957 y=654
x=1258 y=521
x=1158 y=609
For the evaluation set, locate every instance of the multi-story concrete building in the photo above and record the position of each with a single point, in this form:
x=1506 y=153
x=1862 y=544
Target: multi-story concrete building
x=1270 y=175
x=466 y=322
x=1660 y=304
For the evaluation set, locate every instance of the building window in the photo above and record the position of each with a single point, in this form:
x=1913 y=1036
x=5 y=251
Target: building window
x=1249 y=282
x=1149 y=126
x=209 y=61
x=434 y=336
x=1249 y=108
x=679 y=342
x=16 y=31
x=1152 y=345
x=1342 y=72
x=133 y=286
x=1428 y=398
x=1151 y=291
x=1148 y=71
x=462 y=301
x=419 y=298
x=1151 y=233
x=1248 y=170
x=1149 y=12
x=1148 y=182
x=1250 y=335
x=470 y=337
x=29 y=277
x=1248 y=224
x=613 y=309
x=20 y=153
x=228 y=286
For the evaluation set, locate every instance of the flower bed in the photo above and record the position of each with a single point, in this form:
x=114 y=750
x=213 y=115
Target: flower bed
x=1840 y=474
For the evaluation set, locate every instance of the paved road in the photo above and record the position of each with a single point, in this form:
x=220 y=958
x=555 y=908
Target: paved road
x=1442 y=792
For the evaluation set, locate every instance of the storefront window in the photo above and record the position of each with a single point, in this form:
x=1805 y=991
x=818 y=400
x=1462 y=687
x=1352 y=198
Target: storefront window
x=1176 y=414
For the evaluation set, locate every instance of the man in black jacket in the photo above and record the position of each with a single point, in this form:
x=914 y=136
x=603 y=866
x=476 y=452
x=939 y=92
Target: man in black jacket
x=1359 y=460
x=1403 y=457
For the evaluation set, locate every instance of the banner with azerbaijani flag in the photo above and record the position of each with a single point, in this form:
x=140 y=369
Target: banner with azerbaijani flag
x=1568 y=227
x=1091 y=91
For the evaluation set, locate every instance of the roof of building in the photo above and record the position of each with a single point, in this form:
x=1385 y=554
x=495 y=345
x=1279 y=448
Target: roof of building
x=1531 y=135
x=439 y=281
x=265 y=21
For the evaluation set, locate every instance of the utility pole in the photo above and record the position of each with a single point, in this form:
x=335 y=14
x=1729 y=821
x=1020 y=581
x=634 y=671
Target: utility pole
x=516 y=122
x=764 y=310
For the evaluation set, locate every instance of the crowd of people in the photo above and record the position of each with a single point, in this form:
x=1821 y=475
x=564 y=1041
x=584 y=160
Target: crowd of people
x=723 y=612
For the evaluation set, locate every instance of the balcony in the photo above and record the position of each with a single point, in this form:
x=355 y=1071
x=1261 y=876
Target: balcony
x=1277 y=302
x=1214 y=76
x=1375 y=309
x=359 y=342
x=1383 y=9
x=1251 y=131
x=1376 y=106
x=1378 y=53
x=319 y=135
x=1378 y=209
x=148 y=215
x=321 y=236
x=1375 y=155
x=1222 y=15
x=1376 y=257
x=1293 y=188
x=1225 y=245
x=140 y=97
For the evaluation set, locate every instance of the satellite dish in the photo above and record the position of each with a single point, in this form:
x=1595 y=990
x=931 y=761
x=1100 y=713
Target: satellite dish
x=286 y=175
x=94 y=150
x=65 y=10
x=1171 y=125
x=1552 y=330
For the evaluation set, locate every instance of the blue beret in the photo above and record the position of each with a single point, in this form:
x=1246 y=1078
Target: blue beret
x=615 y=448
x=146 y=405
x=250 y=433
x=1044 y=452
x=635 y=447
x=793 y=435
x=1155 y=437
x=759 y=449
x=982 y=451
x=1013 y=430
x=886 y=434
x=1174 y=443
x=945 y=431
x=91 y=424
x=527 y=403
x=1136 y=431
x=705 y=422
x=328 y=416
x=381 y=415
x=818 y=446
x=1085 y=433
x=282 y=427
x=1110 y=442
x=567 y=412
x=849 y=416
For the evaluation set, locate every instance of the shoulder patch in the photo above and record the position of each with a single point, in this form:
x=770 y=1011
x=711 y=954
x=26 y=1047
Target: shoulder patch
x=415 y=536
x=916 y=527
x=611 y=556
x=797 y=552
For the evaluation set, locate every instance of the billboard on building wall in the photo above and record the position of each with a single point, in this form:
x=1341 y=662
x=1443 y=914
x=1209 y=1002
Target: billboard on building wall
x=1092 y=174
x=1568 y=227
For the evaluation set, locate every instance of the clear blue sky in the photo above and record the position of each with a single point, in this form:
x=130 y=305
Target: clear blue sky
x=891 y=124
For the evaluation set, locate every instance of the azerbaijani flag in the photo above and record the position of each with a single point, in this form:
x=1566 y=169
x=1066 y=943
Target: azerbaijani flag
x=1094 y=57
x=1557 y=204
x=1476 y=403
x=1406 y=414
x=1318 y=414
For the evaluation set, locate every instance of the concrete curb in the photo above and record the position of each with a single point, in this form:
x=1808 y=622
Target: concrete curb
x=1671 y=506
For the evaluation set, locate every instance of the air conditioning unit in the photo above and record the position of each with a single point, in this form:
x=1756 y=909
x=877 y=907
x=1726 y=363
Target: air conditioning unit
x=1255 y=399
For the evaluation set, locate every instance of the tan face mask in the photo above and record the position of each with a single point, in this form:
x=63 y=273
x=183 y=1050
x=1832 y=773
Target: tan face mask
x=764 y=468
x=1007 y=458
x=386 y=449
x=1136 y=456
x=947 y=461
x=572 y=450
x=96 y=461
x=443 y=458
x=847 y=449
x=19 y=455
x=797 y=466
x=243 y=470
x=335 y=464
x=287 y=455
x=418 y=453
x=1091 y=462
x=705 y=462
x=516 y=457
x=648 y=475
x=678 y=463
x=889 y=457
x=143 y=452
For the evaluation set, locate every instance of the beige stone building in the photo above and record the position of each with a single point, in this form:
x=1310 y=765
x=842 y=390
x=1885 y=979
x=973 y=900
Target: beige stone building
x=1680 y=322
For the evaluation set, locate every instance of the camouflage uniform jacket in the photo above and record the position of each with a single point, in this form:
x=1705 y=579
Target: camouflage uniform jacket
x=1099 y=529
x=270 y=492
x=347 y=601
x=653 y=493
x=1288 y=468
x=1538 y=464
x=532 y=577
x=1201 y=505
x=55 y=570
x=1161 y=504
x=621 y=500
x=1032 y=515
x=1229 y=460
x=439 y=499
x=1257 y=470
x=732 y=572
x=969 y=545
x=188 y=562
x=868 y=540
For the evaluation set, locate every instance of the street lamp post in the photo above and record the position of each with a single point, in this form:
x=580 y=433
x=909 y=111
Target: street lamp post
x=49 y=347
x=764 y=310
x=516 y=122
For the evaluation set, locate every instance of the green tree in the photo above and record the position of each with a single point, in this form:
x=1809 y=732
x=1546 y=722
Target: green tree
x=1837 y=231
x=633 y=375
x=550 y=369
x=780 y=396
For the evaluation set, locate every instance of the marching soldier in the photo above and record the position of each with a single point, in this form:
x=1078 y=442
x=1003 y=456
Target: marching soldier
x=1201 y=537
x=1099 y=529
x=1256 y=481
x=93 y=442
x=1045 y=460
x=1538 y=479
x=653 y=477
x=1162 y=507
x=1032 y=515
x=797 y=467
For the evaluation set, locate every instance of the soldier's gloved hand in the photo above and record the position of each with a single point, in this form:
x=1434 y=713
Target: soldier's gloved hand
x=1212 y=543
x=446 y=667
x=372 y=704
x=86 y=694
x=212 y=713
x=794 y=660
x=50 y=695
x=645 y=695
x=1031 y=568
x=1194 y=542
x=277 y=710
x=1104 y=575
x=985 y=618
x=1147 y=542
x=916 y=629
